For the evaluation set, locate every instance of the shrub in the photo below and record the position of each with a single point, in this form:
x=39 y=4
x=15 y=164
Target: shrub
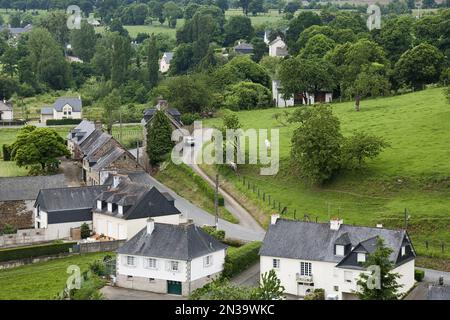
x=97 y=267
x=189 y=118
x=317 y=294
x=8 y=229
x=419 y=275
x=246 y=95
x=61 y=122
x=241 y=258
x=6 y=152
x=85 y=231
x=35 y=251
x=211 y=230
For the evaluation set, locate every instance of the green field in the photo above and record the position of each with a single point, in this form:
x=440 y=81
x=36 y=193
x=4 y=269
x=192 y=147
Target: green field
x=414 y=173
x=43 y=280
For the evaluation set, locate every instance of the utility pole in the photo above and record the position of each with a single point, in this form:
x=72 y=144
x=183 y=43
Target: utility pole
x=137 y=151
x=216 y=201
x=120 y=125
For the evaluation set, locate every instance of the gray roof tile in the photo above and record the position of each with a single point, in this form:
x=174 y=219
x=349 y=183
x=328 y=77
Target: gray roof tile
x=27 y=188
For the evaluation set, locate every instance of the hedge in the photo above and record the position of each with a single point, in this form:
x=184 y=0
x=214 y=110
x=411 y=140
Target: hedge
x=202 y=184
x=419 y=275
x=241 y=258
x=56 y=122
x=35 y=251
x=218 y=234
x=6 y=152
x=317 y=294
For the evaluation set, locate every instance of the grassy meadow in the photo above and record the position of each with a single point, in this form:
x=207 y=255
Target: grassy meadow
x=42 y=280
x=413 y=173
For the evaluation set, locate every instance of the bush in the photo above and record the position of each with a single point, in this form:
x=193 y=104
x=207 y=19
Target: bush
x=6 y=152
x=61 y=122
x=419 y=275
x=202 y=184
x=211 y=230
x=98 y=268
x=85 y=231
x=241 y=258
x=189 y=118
x=8 y=229
x=317 y=294
x=35 y=251
x=246 y=95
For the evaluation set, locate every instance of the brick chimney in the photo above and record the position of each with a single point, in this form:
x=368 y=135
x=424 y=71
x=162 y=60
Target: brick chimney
x=273 y=218
x=335 y=223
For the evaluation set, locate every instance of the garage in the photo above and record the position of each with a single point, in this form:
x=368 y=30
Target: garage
x=173 y=287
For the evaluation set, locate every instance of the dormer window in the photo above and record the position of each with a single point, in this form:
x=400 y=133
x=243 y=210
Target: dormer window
x=99 y=204
x=120 y=209
x=403 y=250
x=110 y=207
x=361 y=257
x=340 y=250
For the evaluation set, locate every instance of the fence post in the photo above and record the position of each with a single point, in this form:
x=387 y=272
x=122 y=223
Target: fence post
x=442 y=246
x=268 y=196
x=426 y=244
x=264 y=196
x=295 y=212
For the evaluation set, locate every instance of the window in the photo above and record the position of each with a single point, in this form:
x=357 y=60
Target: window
x=336 y=288
x=151 y=279
x=403 y=250
x=339 y=250
x=131 y=261
x=151 y=263
x=174 y=266
x=361 y=257
x=129 y=277
x=276 y=263
x=99 y=205
x=207 y=261
x=305 y=268
x=348 y=276
x=120 y=210
x=110 y=207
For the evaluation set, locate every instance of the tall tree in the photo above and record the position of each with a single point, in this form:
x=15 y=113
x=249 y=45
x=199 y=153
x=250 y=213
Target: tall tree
x=111 y=105
x=237 y=28
x=83 y=41
x=159 y=138
x=388 y=286
x=9 y=60
x=120 y=59
x=152 y=62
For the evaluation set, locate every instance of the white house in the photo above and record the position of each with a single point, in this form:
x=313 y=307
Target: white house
x=278 y=48
x=164 y=62
x=59 y=210
x=329 y=256
x=277 y=96
x=63 y=108
x=6 y=111
x=169 y=258
x=122 y=211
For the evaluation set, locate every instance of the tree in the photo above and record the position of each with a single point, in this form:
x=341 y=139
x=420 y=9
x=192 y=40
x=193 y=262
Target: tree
x=296 y=26
x=220 y=289
x=85 y=231
x=172 y=12
x=56 y=23
x=419 y=66
x=292 y=7
x=38 y=146
x=317 y=47
x=247 y=95
x=182 y=59
x=152 y=62
x=359 y=147
x=222 y=4
x=388 y=289
x=120 y=59
x=316 y=143
x=159 y=138
x=236 y=28
x=9 y=60
x=396 y=36
x=110 y=105
x=244 y=5
x=259 y=48
x=83 y=41
x=256 y=6
x=270 y=287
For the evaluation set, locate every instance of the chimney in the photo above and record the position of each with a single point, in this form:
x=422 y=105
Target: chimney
x=150 y=225
x=98 y=126
x=379 y=225
x=116 y=181
x=335 y=224
x=273 y=218
x=162 y=104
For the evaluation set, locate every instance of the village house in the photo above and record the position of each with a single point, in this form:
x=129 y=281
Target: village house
x=169 y=258
x=77 y=136
x=123 y=210
x=164 y=62
x=329 y=256
x=243 y=48
x=6 y=111
x=17 y=32
x=60 y=210
x=63 y=108
x=278 y=48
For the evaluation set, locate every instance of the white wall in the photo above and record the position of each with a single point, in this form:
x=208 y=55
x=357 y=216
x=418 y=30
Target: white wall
x=118 y=228
x=198 y=269
x=273 y=48
x=56 y=230
x=277 y=96
x=163 y=66
x=406 y=271
x=7 y=115
x=161 y=272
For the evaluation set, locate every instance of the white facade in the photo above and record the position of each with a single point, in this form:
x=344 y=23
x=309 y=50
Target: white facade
x=164 y=63
x=66 y=113
x=6 y=115
x=118 y=228
x=55 y=231
x=325 y=275
x=275 y=45
x=278 y=97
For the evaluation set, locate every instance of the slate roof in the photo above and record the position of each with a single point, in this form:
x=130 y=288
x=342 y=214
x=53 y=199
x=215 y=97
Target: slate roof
x=168 y=56
x=92 y=143
x=17 y=31
x=81 y=131
x=316 y=241
x=5 y=106
x=47 y=111
x=70 y=198
x=172 y=114
x=243 y=46
x=27 y=188
x=179 y=242
x=75 y=103
x=438 y=292
x=142 y=200
x=108 y=158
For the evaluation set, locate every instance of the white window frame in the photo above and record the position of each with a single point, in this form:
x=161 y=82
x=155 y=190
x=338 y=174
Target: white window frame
x=110 y=206
x=305 y=268
x=172 y=264
x=208 y=261
x=276 y=263
x=403 y=250
x=151 y=263
x=127 y=261
x=361 y=257
x=120 y=209
x=99 y=204
x=340 y=249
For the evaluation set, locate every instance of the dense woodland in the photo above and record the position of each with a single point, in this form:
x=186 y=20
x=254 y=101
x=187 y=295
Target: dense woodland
x=330 y=48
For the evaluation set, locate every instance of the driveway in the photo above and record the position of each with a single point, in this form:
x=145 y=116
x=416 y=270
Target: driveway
x=248 y=278
x=72 y=172
x=116 y=293
x=432 y=276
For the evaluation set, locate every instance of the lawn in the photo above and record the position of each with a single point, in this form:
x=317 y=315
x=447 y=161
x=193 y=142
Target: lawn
x=414 y=173
x=43 y=280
